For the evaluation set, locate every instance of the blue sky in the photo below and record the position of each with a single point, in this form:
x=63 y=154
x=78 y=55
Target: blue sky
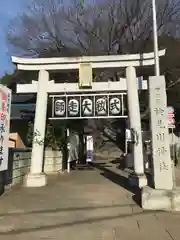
x=8 y=10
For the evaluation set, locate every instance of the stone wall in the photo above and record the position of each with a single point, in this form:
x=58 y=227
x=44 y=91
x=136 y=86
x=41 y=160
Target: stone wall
x=19 y=165
x=53 y=161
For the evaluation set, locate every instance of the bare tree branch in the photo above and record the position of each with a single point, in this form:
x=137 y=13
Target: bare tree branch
x=100 y=28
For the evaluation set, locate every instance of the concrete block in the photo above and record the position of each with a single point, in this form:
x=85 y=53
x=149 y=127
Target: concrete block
x=16 y=173
x=129 y=161
x=155 y=199
x=16 y=156
x=51 y=153
x=21 y=163
x=35 y=180
x=15 y=164
x=137 y=180
x=53 y=161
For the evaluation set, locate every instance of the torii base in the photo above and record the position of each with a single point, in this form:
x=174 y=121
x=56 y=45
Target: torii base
x=162 y=200
x=35 y=180
x=136 y=180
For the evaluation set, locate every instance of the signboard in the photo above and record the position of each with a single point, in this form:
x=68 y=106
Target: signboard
x=163 y=178
x=170 y=110
x=85 y=75
x=171 y=120
x=23 y=111
x=103 y=105
x=171 y=126
x=5 y=108
x=89 y=148
x=171 y=115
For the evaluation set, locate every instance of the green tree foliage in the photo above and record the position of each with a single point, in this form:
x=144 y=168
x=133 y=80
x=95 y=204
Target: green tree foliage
x=6 y=78
x=54 y=137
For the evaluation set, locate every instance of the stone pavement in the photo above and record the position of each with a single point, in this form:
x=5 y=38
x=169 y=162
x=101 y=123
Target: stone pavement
x=87 y=204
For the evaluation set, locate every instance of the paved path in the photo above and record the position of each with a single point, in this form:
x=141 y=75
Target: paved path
x=82 y=205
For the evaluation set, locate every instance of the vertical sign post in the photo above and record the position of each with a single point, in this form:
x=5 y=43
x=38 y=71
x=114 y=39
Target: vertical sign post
x=5 y=108
x=171 y=125
x=89 y=149
x=155 y=39
x=162 y=166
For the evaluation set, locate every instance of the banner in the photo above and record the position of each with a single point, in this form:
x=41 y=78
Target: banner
x=5 y=111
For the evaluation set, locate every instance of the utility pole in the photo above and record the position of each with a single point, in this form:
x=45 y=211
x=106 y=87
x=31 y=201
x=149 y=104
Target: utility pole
x=155 y=39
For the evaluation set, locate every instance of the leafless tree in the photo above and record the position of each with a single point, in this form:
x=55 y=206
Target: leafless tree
x=110 y=27
x=57 y=28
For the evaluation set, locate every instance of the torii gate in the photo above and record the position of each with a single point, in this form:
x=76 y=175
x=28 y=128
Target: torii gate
x=44 y=86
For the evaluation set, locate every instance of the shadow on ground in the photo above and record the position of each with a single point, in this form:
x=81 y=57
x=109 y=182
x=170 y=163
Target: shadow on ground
x=69 y=209
x=120 y=161
x=119 y=180
x=73 y=223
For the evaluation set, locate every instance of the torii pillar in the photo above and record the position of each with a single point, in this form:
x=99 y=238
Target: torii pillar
x=138 y=177
x=36 y=176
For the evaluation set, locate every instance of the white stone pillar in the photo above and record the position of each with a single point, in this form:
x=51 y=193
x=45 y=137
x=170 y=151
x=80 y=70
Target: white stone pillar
x=162 y=164
x=164 y=196
x=137 y=178
x=36 y=177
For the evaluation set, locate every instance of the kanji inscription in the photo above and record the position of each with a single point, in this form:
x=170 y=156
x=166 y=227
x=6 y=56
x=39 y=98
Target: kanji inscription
x=162 y=166
x=90 y=106
x=5 y=107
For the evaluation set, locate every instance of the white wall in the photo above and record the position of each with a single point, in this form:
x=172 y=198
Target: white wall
x=53 y=161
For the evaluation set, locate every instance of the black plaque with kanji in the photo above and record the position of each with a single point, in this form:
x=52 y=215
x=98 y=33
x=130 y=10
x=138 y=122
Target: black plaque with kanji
x=107 y=105
x=73 y=106
x=87 y=106
x=60 y=109
x=115 y=105
x=101 y=105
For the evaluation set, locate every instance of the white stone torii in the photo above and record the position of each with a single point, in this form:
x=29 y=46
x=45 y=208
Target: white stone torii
x=36 y=177
x=108 y=61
